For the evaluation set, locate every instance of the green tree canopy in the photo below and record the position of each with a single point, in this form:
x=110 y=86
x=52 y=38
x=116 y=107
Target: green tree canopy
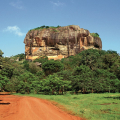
x=52 y=66
x=1 y=53
x=54 y=83
x=3 y=81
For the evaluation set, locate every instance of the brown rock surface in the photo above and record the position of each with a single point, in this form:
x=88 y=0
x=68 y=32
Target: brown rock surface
x=58 y=43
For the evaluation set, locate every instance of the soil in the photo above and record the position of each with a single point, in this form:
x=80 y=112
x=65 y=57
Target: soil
x=30 y=108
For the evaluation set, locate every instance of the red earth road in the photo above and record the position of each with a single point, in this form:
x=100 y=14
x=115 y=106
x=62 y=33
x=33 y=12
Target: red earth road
x=30 y=108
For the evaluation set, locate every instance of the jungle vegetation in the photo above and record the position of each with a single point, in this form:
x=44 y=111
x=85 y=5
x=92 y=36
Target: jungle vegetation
x=90 y=71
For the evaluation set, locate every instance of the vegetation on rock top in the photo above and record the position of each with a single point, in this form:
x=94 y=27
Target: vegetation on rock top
x=94 y=34
x=44 y=27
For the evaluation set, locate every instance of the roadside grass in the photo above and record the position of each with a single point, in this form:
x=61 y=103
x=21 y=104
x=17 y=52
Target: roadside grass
x=93 y=106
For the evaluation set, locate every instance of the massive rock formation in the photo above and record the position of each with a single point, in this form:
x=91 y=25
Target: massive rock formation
x=59 y=42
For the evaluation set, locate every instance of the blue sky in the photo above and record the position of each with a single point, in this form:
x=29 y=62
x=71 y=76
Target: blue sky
x=17 y=17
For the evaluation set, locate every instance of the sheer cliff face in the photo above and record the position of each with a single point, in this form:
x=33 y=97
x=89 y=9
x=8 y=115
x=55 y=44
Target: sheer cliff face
x=57 y=43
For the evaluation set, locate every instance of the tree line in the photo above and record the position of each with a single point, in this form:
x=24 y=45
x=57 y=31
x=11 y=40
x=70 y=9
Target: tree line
x=87 y=72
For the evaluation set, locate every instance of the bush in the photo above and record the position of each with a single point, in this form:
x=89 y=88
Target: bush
x=94 y=34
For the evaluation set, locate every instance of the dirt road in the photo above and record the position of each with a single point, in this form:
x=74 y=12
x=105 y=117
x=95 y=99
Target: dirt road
x=29 y=108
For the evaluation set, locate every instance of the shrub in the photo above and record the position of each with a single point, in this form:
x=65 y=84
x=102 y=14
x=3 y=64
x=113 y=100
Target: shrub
x=94 y=34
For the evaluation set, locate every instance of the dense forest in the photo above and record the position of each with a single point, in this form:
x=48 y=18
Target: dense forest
x=87 y=72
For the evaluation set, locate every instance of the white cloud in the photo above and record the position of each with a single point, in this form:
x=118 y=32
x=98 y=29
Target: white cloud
x=14 y=29
x=57 y=3
x=17 y=4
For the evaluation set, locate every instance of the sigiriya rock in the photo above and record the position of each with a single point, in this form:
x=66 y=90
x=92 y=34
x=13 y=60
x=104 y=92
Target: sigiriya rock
x=59 y=42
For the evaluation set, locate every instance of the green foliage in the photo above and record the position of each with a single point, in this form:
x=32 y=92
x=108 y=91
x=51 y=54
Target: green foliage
x=33 y=68
x=26 y=65
x=54 y=83
x=89 y=58
x=40 y=74
x=1 y=53
x=91 y=70
x=27 y=82
x=106 y=79
x=71 y=62
x=41 y=59
x=9 y=87
x=20 y=56
x=47 y=26
x=81 y=70
x=52 y=66
x=42 y=27
x=3 y=81
x=1 y=63
x=7 y=70
x=111 y=52
x=94 y=34
x=82 y=78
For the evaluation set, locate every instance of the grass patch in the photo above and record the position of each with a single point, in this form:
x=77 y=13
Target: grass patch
x=105 y=106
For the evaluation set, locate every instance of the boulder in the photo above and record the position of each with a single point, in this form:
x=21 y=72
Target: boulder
x=59 y=42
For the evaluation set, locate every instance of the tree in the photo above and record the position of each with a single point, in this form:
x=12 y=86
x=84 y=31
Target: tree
x=3 y=81
x=40 y=74
x=83 y=78
x=21 y=56
x=43 y=26
x=97 y=34
x=52 y=66
x=54 y=83
x=1 y=53
x=7 y=70
x=47 y=26
x=89 y=58
x=111 y=52
x=106 y=80
x=26 y=65
x=33 y=68
x=26 y=82
x=109 y=60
